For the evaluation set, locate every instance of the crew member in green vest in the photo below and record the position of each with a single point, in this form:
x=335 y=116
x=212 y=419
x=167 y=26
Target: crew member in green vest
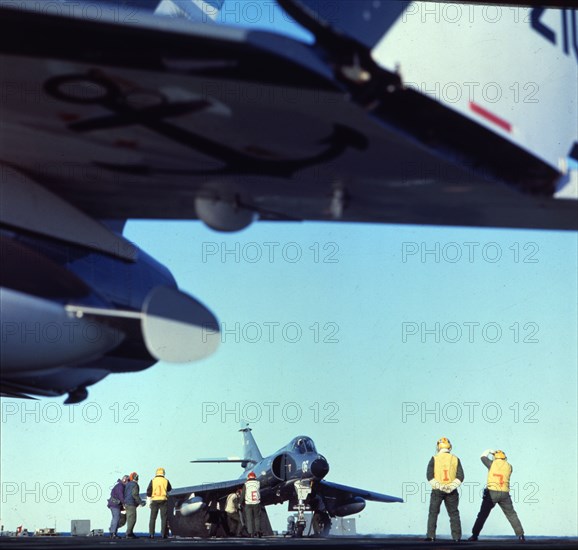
x=497 y=491
x=445 y=475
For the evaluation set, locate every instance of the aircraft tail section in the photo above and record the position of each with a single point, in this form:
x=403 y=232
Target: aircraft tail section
x=512 y=70
x=200 y=11
x=508 y=72
x=251 y=452
x=366 y=21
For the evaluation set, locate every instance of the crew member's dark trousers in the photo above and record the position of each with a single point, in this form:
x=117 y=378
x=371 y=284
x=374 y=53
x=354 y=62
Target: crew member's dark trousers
x=451 y=501
x=253 y=518
x=321 y=524
x=234 y=523
x=218 y=519
x=130 y=518
x=224 y=523
x=488 y=502
x=122 y=520
x=156 y=507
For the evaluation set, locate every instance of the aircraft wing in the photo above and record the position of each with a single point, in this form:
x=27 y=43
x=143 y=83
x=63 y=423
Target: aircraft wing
x=171 y=119
x=341 y=492
x=234 y=459
x=208 y=491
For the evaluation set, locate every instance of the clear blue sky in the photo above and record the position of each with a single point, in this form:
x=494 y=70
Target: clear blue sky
x=373 y=340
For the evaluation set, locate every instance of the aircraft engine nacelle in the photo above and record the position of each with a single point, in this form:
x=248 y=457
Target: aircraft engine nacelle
x=349 y=507
x=280 y=465
x=190 y=506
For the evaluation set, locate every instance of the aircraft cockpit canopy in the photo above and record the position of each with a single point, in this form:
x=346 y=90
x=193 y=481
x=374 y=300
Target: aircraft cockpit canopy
x=303 y=445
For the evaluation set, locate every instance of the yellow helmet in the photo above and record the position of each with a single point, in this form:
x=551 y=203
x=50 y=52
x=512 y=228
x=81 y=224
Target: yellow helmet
x=500 y=454
x=160 y=471
x=444 y=443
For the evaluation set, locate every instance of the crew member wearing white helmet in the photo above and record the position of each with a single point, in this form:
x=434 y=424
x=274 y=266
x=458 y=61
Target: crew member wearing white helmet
x=445 y=475
x=497 y=491
x=157 y=491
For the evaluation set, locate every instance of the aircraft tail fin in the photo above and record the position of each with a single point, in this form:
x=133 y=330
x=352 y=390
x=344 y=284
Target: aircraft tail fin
x=366 y=21
x=199 y=11
x=250 y=455
x=441 y=50
x=251 y=452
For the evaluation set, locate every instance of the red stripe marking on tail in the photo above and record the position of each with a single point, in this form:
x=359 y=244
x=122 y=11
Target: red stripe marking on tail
x=504 y=124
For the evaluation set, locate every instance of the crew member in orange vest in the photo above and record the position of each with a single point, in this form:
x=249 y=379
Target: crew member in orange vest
x=497 y=491
x=445 y=475
x=157 y=491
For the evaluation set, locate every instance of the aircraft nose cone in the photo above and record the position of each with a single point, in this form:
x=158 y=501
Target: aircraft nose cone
x=320 y=467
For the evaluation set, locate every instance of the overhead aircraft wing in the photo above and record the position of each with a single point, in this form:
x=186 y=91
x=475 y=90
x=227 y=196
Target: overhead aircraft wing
x=329 y=489
x=169 y=119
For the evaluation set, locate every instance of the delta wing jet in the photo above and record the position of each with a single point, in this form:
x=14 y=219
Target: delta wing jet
x=289 y=475
x=396 y=112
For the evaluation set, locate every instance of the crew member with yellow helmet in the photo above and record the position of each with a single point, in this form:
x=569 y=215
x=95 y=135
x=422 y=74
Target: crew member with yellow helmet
x=497 y=491
x=445 y=475
x=157 y=491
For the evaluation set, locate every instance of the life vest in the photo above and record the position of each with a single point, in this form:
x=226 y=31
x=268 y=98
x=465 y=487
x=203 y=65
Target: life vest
x=231 y=506
x=445 y=467
x=252 y=491
x=499 y=476
x=159 y=489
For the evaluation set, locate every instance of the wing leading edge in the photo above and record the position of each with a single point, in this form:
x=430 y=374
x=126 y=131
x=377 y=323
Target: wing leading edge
x=217 y=490
x=338 y=491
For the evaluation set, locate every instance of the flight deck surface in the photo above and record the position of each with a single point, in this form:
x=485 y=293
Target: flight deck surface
x=368 y=543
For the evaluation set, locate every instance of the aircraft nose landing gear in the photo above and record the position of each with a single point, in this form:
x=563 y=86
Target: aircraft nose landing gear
x=303 y=490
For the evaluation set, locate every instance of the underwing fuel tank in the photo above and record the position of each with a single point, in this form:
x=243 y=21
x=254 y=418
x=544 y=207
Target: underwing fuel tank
x=174 y=326
x=39 y=334
x=79 y=301
x=349 y=507
x=191 y=506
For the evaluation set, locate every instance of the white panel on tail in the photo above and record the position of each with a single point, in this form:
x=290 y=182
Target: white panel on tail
x=511 y=69
x=204 y=11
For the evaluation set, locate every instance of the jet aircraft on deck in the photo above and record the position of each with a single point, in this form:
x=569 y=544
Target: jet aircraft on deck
x=294 y=471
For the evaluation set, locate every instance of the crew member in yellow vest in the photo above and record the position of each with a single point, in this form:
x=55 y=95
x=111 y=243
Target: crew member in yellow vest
x=497 y=491
x=445 y=475
x=157 y=492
